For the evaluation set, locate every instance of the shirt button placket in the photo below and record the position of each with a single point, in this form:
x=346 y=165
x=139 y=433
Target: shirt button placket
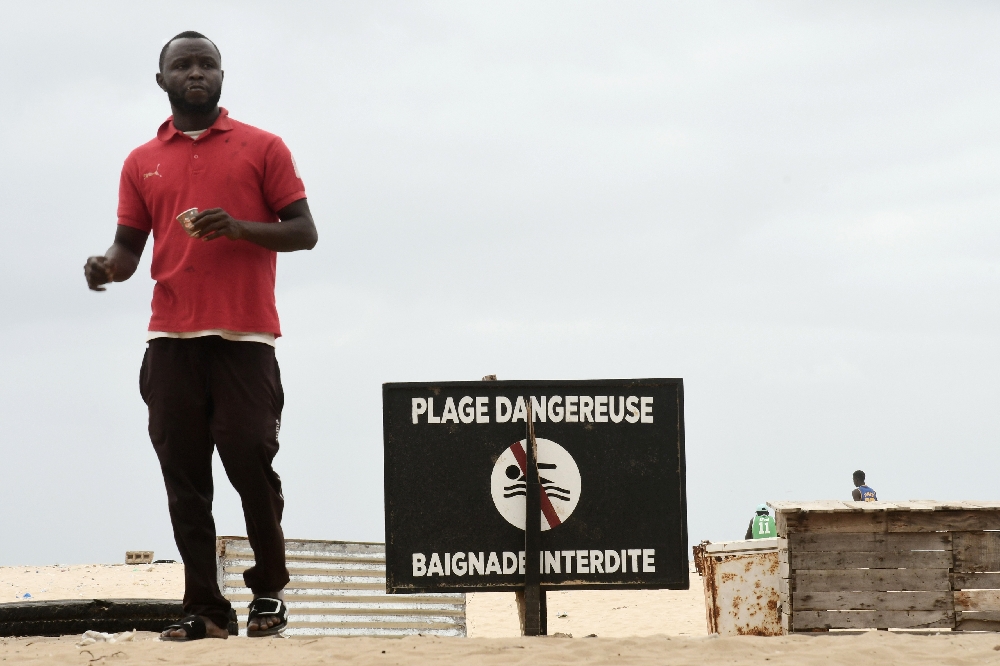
x=196 y=164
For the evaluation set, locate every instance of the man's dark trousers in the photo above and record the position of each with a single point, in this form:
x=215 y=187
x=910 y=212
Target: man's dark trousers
x=205 y=393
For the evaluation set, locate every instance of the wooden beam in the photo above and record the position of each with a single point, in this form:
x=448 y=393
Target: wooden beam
x=872 y=619
x=834 y=522
x=975 y=581
x=873 y=542
x=941 y=521
x=884 y=601
x=989 y=616
x=872 y=580
x=890 y=521
x=977 y=625
x=977 y=600
x=911 y=559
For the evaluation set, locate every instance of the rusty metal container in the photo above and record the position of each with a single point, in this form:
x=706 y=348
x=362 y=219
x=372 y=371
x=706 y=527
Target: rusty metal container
x=741 y=581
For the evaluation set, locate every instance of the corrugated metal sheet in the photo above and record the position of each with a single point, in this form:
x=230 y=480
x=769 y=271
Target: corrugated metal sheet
x=337 y=588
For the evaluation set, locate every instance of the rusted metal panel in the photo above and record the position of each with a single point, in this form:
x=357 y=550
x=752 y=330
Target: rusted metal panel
x=338 y=588
x=741 y=586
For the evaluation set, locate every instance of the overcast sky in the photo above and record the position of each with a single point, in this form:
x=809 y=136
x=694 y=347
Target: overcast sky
x=791 y=206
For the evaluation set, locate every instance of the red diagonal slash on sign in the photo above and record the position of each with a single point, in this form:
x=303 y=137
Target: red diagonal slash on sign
x=548 y=510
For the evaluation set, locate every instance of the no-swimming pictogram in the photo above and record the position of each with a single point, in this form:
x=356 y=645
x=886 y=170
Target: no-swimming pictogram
x=558 y=475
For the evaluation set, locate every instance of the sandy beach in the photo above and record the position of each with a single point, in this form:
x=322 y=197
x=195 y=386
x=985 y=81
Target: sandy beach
x=92 y=581
x=635 y=627
x=489 y=615
x=872 y=647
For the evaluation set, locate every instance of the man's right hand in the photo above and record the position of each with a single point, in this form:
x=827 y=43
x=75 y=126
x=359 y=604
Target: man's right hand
x=98 y=271
x=119 y=262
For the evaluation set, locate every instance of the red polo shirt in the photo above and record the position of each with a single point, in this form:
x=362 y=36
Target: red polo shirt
x=247 y=172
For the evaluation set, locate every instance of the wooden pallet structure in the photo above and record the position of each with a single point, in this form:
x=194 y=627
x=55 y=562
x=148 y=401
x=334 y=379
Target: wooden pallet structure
x=902 y=565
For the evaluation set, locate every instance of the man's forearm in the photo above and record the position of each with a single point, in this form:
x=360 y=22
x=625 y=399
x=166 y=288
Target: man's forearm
x=119 y=262
x=297 y=233
x=123 y=262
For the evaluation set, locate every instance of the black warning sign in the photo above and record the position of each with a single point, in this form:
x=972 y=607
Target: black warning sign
x=611 y=470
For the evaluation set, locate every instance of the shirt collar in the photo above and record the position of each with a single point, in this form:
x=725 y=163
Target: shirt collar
x=167 y=130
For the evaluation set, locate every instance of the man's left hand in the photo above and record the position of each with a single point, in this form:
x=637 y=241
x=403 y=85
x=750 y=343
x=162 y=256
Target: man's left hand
x=216 y=223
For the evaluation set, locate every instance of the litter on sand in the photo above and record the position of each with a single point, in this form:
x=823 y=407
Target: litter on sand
x=91 y=637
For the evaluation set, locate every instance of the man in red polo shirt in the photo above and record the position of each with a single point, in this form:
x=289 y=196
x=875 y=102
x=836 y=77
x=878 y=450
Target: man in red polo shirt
x=209 y=376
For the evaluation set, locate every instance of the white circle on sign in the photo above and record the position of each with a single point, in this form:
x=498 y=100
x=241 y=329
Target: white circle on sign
x=558 y=475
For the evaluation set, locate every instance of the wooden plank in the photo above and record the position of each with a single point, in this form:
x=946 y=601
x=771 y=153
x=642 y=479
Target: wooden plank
x=872 y=580
x=920 y=505
x=943 y=521
x=872 y=506
x=781 y=524
x=976 y=551
x=893 y=521
x=981 y=504
x=977 y=625
x=835 y=522
x=820 y=506
x=977 y=621
x=987 y=616
x=913 y=559
x=885 y=601
x=976 y=581
x=871 y=619
x=977 y=600
x=908 y=505
x=873 y=542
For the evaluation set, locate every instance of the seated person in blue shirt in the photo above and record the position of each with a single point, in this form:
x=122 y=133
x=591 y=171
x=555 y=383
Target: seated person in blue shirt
x=861 y=492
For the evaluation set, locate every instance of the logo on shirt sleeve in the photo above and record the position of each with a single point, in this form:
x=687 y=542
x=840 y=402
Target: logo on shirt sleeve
x=295 y=167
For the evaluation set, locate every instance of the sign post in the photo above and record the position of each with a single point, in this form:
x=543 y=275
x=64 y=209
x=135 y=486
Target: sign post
x=534 y=485
x=534 y=616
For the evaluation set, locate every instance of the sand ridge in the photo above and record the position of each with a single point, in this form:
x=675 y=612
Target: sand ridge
x=632 y=626
x=884 y=649
x=489 y=615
